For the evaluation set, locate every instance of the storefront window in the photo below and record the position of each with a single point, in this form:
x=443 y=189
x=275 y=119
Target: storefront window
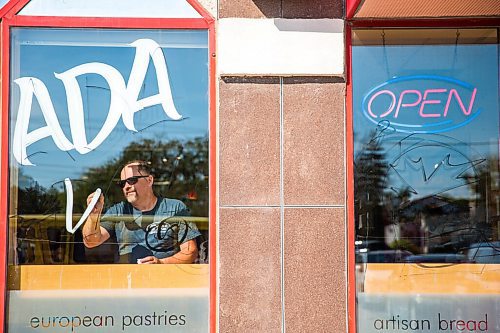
x=122 y=114
x=426 y=179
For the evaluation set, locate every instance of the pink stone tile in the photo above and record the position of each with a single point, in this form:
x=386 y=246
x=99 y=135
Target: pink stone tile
x=249 y=261
x=315 y=284
x=249 y=144
x=249 y=8
x=313 y=9
x=314 y=141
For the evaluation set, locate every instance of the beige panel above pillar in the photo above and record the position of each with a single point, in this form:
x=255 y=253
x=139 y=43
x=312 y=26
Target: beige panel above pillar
x=282 y=47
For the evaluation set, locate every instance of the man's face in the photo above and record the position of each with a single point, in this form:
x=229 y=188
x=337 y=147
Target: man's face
x=138 y=191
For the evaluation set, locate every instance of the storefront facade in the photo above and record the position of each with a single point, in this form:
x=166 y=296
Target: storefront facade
x=91 y=87
x=335 y=165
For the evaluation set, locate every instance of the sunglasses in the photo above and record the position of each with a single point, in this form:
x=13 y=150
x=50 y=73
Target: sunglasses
x=130 y=180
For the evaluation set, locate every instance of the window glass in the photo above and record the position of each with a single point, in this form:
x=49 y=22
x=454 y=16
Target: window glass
x=426 y=179
x=122 y=114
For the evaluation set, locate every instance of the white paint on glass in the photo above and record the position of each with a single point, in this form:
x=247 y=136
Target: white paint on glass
x=124 y=102
x=69 y=207
x=424 y=313
x=109 y=310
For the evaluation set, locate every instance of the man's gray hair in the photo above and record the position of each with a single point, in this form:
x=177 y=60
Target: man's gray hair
x=142 y=166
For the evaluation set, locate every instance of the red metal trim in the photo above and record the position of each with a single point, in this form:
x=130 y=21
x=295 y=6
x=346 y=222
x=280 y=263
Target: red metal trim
x=4 y=161
x=213 y=178
x=425 y=23
x=351 y=264
x=367 y=23
x=352 y=7
x=201 y=10
x=12 y=7
x=98 y=22
x=17 y=7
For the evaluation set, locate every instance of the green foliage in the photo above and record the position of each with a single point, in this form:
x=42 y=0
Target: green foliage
x=180 y=170
x=38 y=200
x=370 y=181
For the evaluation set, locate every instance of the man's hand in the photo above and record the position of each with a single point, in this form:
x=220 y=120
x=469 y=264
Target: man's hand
x=187 y=255
x=99 y=204
x=149 y=260
x=93 y=233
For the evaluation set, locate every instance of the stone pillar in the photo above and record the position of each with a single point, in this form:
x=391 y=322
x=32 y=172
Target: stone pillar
x=282 y=198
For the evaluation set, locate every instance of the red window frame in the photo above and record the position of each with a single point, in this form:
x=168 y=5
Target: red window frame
x=351 y=23
x=9 y=19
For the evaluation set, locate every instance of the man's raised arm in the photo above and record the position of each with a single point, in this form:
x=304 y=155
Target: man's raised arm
x=93 y=234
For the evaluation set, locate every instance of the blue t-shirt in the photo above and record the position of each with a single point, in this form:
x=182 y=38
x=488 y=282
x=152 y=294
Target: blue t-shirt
x=158 y=232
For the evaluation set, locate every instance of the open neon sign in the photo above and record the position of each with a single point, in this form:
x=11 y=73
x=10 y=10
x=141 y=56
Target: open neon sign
x=422 y=104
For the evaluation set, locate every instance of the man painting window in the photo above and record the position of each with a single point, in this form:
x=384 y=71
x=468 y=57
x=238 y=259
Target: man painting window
x=143 y=224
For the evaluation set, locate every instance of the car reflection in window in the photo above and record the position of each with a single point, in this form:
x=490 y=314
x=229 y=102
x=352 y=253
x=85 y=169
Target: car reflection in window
x=437 y=258
x=484 y=253
x=382 y=256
